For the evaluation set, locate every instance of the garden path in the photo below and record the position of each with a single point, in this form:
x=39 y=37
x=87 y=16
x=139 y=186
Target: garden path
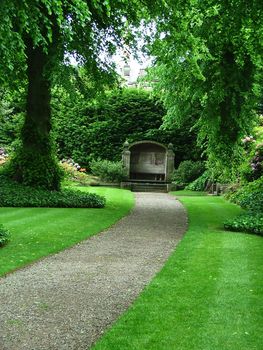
x=66 y=301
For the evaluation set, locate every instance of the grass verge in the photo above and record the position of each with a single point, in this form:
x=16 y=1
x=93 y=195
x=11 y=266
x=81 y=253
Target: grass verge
x=190 y=193
x=209 y=294
x=38 y=232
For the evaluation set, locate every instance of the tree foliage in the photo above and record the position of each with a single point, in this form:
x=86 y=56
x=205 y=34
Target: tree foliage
x=79 y=28
x=37 y=39
x=11 y=116
x=209 y=61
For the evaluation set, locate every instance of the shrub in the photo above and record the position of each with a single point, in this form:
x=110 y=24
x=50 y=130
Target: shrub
x=33 y=162
x=188 y=171
x=250 y=196
x=13 y=194
x=72 y=174
x=200 y=183
x=108 y=171
x=249 y=222
x=252 y=168
x=4 y=236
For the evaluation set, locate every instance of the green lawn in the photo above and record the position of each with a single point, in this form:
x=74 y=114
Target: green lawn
x=209 y=295
x=189 y=193
x=38 y=232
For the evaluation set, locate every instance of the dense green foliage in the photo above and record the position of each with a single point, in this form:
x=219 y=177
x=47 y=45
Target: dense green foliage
x=81 y=28
x=4 y=236
x=188 y=171
x=108 y=171
x=39 y=169
x=249 y=197
x=85 y=131
x=99 y=130
x=209 y=65
x=249 y=222
x=200 y=183
x=38 y=232
x=11 y=117
x=13 y=194
x=209 y=292
x=252 y=166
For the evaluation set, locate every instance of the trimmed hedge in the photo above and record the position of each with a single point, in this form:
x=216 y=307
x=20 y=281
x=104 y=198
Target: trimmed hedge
x=4 y=236
x=85 y=131
x=13 y=194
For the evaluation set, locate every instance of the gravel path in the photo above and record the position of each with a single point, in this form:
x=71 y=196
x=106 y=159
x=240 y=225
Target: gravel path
x=67 y=300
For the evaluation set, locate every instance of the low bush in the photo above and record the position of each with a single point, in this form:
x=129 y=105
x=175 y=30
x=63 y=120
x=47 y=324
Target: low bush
x=249 y=222
x=4 y=236
x=13 y=194
x=200 y=183
x=188 y=171
x=250 y=196
x=252 y=168
x=108 y=171
x=77 y=176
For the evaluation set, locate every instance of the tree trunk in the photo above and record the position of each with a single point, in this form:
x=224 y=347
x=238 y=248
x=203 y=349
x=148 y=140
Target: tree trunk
x=39 y=94
x=35 y=163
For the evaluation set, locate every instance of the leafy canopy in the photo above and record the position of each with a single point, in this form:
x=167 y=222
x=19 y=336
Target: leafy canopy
x=39 y=38
x=209 y=60
x=87 y=30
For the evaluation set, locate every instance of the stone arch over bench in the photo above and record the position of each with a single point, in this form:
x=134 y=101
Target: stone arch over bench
x=148 y=160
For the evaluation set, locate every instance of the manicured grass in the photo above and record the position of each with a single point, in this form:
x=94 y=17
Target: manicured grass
x=38 y=232
x=209 y=295
x=189 y=193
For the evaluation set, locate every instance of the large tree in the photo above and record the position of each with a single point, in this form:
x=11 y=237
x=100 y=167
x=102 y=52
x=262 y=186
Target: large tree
x=37 y=37
x=209 y=64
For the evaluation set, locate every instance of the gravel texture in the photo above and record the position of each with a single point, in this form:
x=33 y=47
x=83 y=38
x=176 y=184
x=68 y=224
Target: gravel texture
x=66 y=301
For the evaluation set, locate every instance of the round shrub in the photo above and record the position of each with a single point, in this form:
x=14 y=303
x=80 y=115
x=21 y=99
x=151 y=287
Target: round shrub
x=108 y=171
x=188 y=171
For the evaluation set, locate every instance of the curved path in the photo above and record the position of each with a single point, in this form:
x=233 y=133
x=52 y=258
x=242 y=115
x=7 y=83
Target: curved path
x=67 y=300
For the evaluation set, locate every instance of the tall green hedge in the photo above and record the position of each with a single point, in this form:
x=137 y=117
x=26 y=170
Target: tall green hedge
x=93 y=127
x=86 y=132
